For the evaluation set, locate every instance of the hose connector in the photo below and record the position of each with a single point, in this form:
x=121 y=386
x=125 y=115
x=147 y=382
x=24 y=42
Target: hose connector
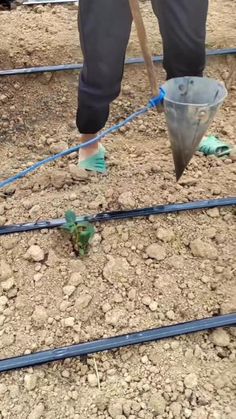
x=157 y=100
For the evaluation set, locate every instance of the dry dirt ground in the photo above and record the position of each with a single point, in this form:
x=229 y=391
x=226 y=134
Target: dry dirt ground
x=50 y=298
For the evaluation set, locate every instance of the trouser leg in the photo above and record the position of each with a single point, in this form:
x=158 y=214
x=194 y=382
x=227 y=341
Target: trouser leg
x=183 y=29
x=104 y=27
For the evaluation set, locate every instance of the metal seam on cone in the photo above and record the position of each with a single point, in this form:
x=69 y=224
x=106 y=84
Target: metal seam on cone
x=116 y=342
x=121 y=215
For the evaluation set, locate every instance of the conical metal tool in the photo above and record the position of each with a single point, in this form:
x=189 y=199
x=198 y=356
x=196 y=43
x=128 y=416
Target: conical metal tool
x=190 y=106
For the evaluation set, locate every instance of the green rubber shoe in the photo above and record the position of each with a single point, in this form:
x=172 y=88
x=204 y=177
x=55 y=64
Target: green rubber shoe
x=212 y=145
x=95 y=163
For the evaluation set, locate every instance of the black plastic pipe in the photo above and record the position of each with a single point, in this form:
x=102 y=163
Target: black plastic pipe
x=70 y=67
x=116 y=342
x=120 y=215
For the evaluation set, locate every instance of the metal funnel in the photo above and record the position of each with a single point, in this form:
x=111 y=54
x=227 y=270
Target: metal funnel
x=190 y=106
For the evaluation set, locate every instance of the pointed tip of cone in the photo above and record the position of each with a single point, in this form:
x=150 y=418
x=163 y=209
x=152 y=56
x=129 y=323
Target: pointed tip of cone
x=181 y=160
x=179 y=172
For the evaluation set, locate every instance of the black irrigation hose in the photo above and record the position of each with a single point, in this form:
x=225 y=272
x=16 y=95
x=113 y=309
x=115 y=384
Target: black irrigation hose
x=84 y=349
x=70 y=67
x=120 y=215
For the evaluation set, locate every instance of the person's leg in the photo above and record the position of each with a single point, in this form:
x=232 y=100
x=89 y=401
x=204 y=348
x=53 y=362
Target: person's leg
x=183 y=29
x=104 y=27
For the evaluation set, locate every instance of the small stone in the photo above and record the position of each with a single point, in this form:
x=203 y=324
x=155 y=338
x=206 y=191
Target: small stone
x=92 y=380
x=213 y=212
x=39 y=316
x=64 y=305
x=38 y=277
x=28 y=204
x=2 y=209
x=101 y=402
x=210 y=232
x=2 y=320
x=155 y=251
x=117 y=298
x=34 y=211
x=35 y=253
x=83 y=301
x=5 y=270
x=3 y=301
x=165 y=235
x=7 y=340
x=3 y=389
x=170 y=315
x=65 y=374
x=75 y=279
x=37 y=412
x=69 y=290
x=69 y=322
x=113 y=317
x=205 y=279
x=132 y=294
x=219 y=269
x=146 y=300
x=8 y=284
x=58 y=147
x=115 y=408
x=157 y=404
x=188 y=181
x=60 y=178
x=52 y=259
x=127 y=408
x=153 y=306
x=220 y=338
x=3 y=98
x=116 y=270
x=127 y=89
x=189 y=354
x=2 y=220
x=126 y=200
x=30 y=381
x=191 y=381
x=229 y=306
x=174 y=345
x=176 y=408
x=77 y=173
x=176 y=262
x=187 y=413
x=106 y=307
x=202 y=249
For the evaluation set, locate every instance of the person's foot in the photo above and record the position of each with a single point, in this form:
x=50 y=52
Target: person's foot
x=87 y=152
x=92 y=158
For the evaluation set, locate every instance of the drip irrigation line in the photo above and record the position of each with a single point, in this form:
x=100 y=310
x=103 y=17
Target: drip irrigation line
x=120 y=215
x=116 y=342
x=70 y=67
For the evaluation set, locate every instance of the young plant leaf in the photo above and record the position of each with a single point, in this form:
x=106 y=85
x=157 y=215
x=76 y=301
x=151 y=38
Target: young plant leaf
x=70 y=217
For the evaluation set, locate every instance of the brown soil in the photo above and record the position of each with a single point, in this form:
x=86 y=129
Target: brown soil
x=123 y=285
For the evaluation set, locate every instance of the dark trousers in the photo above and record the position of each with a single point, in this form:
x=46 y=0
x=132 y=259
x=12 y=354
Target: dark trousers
x=105 y=26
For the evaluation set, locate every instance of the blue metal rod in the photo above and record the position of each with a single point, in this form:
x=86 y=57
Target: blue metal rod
x=116 y=342
x=120 y=215
x=70 y=67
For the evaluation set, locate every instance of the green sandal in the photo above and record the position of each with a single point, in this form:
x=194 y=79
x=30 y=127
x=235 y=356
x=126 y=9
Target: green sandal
x=212 y=145
x=95 y=163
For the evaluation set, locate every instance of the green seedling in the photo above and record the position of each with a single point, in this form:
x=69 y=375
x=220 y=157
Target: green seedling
x=81 y=232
